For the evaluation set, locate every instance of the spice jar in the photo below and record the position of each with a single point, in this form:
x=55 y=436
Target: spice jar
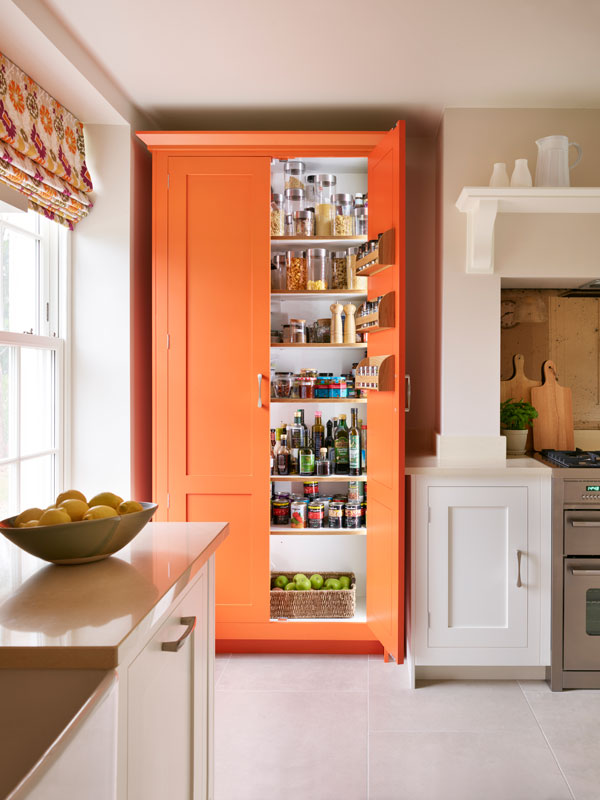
x=298 y=329
x=359 y=199
x=277 y=215
x=278 y=272
x=295 y=265
x=304 y=222
x=339 y=270
x=317 y=269
x=288 y=225
x=293 y=200
x=344 y=221
x=309 y=190
x=293 y=172
x=361 y=221
x=282 y=385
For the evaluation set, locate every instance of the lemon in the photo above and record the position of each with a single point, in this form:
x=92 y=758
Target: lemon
x=106 y=499
x=72 y=494
x=99 y=512
x=129 y=507
x=74 y=508
x=27 y=515
x=54 y=516
x=33 y=523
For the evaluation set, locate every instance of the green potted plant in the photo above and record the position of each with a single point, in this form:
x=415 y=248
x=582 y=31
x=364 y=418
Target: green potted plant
x=516 y=417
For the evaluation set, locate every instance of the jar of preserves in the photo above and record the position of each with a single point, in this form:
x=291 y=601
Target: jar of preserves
x=306 y=385
x=293 y=175
x=361 y=221
x=298 y=330
x=293 y=200
x=277 y=215
x=278 y=272
x=339 y=270
x=336 y=514
x=318 y=263
x=298 y=514
x=280 y=511
x=352 y=515
x=282 y=385
x=343 y=224
x=304 y=223
x=316 y=514
x=296 y=271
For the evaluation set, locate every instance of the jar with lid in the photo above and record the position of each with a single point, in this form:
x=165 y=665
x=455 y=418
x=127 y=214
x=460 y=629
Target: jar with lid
x=282 y=385
x=318 y=263
x=324 y=210
x=304 y=222
x=293 y=172
x=277 y=215
x=278 y=272
x=361 y=221
x=343 y=224
x=288 y=225
x=359 y=199
x=307 y=385
x=298 y=329
x=339 y=270
x=293 y=200
x=355 y=281
x=295 y=267
x=310 y=190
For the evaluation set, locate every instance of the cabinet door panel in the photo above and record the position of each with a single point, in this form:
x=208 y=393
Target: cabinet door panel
x=218 y=322
x=474 y=538
x=385 y=464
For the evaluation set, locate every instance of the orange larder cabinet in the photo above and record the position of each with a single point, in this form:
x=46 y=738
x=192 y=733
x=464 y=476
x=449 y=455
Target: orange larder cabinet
x=211 y=366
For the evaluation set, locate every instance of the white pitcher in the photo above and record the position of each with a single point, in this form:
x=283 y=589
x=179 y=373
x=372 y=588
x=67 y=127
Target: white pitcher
x=552 y=168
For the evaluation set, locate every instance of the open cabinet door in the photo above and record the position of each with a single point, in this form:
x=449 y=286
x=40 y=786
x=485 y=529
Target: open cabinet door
x=385 y=459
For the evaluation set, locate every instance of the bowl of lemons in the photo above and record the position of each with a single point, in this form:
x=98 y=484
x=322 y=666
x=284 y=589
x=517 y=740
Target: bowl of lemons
x=76 y=530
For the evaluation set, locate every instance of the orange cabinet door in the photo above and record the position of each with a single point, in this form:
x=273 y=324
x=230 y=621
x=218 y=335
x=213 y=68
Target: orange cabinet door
x=218 y=327
x=385 y=460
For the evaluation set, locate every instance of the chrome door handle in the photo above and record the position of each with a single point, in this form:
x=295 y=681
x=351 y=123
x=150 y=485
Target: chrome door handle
x=519 y=582
x=584 y=523
x=259 y=397
x=408 y=393
x=585 y=571
x=173 y=647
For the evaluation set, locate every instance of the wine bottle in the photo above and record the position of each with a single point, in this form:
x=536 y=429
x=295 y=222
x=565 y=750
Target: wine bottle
x=354 y=444
x=318 y=433
x=330 y=444
x=283 y=459
x=272 y=451
x=341 y=447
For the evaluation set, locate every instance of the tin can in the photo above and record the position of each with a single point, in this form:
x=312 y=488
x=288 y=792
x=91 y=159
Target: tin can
x=352 y=515
x=355 y=491
x=298 y=514
x=280 y=511
x=316 y=514
x=311 y=489
x=336 y=514
x=363 y=513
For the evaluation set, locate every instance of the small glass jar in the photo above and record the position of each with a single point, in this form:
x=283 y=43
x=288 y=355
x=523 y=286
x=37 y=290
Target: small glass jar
x=355 y=281
x=323 y=331
x=287 y=336
x=304 y=223
x=298 y=328
x=325 y=188
x=339 y=270
x=359 y=199
x=293 y=172
x=307 y=387
x=288 y=225
x=282 y=385
x=361 y=221
x=294 y=200
x=278 y=272
x=310 y=190
x=295 y=266
x=277 y=215
x=318 y=263
x=343 y=224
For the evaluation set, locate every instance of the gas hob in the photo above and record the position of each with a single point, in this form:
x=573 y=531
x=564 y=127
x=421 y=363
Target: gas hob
x=573 y=459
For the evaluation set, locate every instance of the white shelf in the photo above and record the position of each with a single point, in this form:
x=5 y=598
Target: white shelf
x=319 y=478
x=318 y=401
x=287 y=530
x=483 y=203
x=322 y=294
x=332 y=242
x=313 y=345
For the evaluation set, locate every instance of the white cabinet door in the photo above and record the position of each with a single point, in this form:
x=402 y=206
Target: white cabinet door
x=477 y=538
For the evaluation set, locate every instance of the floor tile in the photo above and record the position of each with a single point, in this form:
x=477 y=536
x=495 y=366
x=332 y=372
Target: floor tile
x=303 y=673
x=305 y=744
x=463 y=766
x=448 y=706
x=221 y=660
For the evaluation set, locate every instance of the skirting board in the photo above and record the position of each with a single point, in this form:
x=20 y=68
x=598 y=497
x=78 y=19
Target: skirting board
x=425 y=673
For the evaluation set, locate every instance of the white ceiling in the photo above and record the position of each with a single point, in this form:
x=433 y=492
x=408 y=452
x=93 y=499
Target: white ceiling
x=339 y=63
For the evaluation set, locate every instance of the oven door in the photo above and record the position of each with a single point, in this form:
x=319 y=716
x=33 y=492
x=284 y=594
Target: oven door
x=582 y=614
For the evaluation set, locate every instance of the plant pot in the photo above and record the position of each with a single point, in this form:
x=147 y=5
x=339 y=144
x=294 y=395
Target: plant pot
x=516 y=441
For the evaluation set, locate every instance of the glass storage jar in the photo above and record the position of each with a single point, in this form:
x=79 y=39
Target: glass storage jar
x=295 y=267
x=324 y=210
x=309 y=190
x=306 y=384
x=343 y=224
x=303 y=223
x=318 y=262
x=277 y=214
x=293 y=172
x=298 y=328
x=278 y=272
x=361 y=221
x=282 y=385
x=288 y=225
x=293 y=200
x=359 y=199
x=339 y=270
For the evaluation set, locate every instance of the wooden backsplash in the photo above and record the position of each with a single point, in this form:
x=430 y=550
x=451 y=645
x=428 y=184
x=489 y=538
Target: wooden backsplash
x=566 y=330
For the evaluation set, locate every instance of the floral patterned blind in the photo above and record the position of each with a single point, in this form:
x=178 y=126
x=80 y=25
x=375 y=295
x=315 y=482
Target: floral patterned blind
x=42 y=149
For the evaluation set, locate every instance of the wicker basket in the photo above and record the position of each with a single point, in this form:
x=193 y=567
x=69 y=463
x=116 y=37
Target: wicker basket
x=314 y=603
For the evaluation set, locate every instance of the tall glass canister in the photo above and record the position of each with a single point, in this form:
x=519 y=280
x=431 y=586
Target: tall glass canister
x=293 y=172
x=277 y=214
x=318 y=269
x=294 y=200
x=324 y=210
x=344 y=220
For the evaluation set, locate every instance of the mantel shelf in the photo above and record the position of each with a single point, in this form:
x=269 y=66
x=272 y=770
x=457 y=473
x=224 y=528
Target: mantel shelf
x=483 y=203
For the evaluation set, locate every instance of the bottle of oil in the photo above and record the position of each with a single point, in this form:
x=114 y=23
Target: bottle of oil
x=341 y=447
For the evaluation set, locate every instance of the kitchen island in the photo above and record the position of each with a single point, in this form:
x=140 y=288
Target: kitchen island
x=117 y=655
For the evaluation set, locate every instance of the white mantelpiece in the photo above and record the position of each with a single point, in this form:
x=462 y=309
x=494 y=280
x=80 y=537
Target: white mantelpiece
x=482 y=204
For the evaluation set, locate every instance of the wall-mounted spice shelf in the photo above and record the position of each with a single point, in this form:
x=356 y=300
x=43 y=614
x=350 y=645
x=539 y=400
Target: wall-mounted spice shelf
x=381 y=258
x=383 y=380
x=384 y=317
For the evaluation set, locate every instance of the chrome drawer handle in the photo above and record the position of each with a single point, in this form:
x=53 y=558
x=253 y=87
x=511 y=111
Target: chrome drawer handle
x=519 y=582
x=408 y=393
x=586 y=572
x=259 y=397
x=173 y=647
x=584 y=523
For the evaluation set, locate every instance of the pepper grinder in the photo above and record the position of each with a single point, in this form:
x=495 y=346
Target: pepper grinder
x=350 y=326
x=336 y=323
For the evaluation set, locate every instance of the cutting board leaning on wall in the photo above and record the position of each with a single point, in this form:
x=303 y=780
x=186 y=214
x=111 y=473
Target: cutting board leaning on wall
x=519 y=387
x=553 y=428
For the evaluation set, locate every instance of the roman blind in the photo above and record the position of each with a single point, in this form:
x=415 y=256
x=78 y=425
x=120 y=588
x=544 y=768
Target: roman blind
x=42 y=149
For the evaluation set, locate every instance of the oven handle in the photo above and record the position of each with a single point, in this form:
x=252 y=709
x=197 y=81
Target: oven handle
x=584 y=523
x=585 y=571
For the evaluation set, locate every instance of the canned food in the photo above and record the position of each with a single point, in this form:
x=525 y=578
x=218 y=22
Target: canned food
x=311 y=489
x=352 y=514
x=316 y=514
x=298 y=512
x=280 y=511
x=355 y=491
x=363 y=514
x=336 y=514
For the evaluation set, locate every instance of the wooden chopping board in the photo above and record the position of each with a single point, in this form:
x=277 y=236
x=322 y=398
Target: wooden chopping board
x=553 y=428
x=519 y=387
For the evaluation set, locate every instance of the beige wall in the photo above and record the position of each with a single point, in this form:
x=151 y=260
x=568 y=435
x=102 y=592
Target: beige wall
x=534 y=247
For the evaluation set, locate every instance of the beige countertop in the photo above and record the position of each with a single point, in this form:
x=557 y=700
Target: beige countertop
x=513 y=465
x=81 y=617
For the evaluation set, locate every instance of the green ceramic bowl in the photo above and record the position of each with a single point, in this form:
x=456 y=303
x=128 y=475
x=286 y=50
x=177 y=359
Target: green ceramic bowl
x=79 y=542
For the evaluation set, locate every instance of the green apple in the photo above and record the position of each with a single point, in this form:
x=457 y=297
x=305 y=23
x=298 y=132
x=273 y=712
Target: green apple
x=332 y=583
x=345 y=581
x=290 y=587
x=316 y=581
x=282 y=581
x=303 y=585
x=299 y=575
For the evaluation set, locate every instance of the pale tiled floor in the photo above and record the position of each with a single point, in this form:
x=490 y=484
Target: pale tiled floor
x=347 y=727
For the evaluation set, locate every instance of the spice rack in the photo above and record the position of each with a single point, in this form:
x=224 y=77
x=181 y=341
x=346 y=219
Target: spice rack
x=379 y=259
x=384 y=317
x=384 y=377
